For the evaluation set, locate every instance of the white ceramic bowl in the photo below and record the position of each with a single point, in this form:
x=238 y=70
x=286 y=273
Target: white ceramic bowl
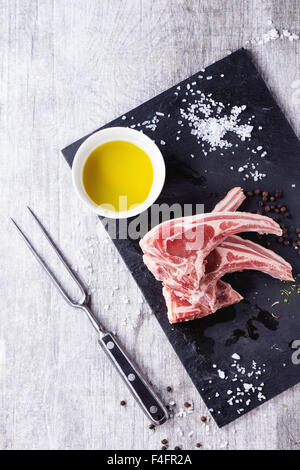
x=129 y=135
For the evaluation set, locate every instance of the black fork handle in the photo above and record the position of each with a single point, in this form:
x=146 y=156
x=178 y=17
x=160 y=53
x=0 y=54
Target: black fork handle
x=140 y=389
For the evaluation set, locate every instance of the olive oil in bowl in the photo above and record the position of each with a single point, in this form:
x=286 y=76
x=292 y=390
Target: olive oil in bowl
x=118 y=174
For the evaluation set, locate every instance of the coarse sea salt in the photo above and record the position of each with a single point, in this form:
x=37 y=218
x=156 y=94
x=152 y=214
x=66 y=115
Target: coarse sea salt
x=211 y=121
x=273 y=34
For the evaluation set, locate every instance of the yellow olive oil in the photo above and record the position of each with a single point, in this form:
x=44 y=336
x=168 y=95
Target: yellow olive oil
x=117 y=169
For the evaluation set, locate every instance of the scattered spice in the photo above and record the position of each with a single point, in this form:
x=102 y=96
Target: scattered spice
x=249 y=193
x=122 y=403
x=164 y=441
x=203 y=419
x=177 y=448
x=163 y=448
x=151 y=426
x=198 y=445
x=169 y=389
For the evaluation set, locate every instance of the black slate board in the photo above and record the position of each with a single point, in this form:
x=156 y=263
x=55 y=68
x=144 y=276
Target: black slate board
x=261 y=340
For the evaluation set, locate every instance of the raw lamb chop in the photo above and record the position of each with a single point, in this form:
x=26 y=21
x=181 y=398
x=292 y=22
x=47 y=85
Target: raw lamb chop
x=175 y=250
x=234 y=254
x=230 y=255
x=233 y=199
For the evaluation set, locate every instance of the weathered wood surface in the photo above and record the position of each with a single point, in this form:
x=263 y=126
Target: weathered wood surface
x=66 y=68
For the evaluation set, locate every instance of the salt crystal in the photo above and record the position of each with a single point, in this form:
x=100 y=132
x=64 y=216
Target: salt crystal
x=235 y=356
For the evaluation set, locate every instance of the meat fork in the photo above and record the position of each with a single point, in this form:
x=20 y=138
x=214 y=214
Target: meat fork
x=140 y=389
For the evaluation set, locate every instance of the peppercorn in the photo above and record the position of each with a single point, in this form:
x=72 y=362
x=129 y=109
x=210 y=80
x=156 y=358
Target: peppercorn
x=298 y=243
x=280 y=239
x=272 y=207
x=272 y=198
x=298 y=230
x=151 y=426
x=283 y=209
x=163 y=448
x=164 y=441
x=267 y=208
x=299 y=253
x=249 y=193
x=295 y=244
x=287 y=215
x=203 y=419
x=122 y=403
x=278 y=193
x=259 y=212
x=169 y=389
x=264 y=198
x=177 y=448
x=286 y=242
x=260 y=203
x=265 y=194
x=276 y=210
x=257 y=192
x=186 y=404
x=198 y=445
x=268 y=243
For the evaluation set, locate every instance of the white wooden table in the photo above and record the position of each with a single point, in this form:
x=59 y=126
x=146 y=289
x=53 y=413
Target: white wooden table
x=67 y=67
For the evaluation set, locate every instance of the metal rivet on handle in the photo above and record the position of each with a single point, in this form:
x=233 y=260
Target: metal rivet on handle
x=110 y=345
x=153 y=409
x=131 y=377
